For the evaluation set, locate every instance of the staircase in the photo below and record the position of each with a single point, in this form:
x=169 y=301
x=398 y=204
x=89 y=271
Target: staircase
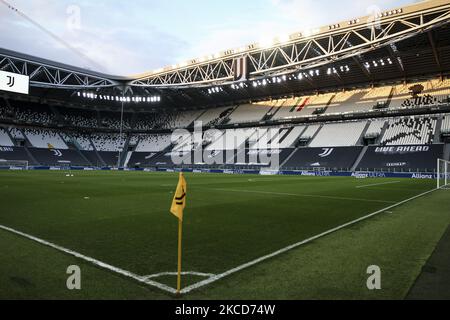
x=33 y=159
x=133 y=119
x=127 y=159
x=226 y=119
x=198 y=117
x=328 y=104
x=383 y=131
x=315 y=134
x=101 y=161
x=288 y=158
x=271 y=113
x=360 y=157
x=59 y=117
x=437 y=134
x=391 y=95
x=125 y=152
x=366 y=128
x=10 y=136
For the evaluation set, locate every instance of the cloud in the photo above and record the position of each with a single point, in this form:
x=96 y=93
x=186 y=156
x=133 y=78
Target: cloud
x=120 y=49
x=129 y=37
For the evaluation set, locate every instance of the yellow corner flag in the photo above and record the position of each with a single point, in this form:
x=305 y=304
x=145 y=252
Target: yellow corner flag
x=177 y=208
x=179 y=200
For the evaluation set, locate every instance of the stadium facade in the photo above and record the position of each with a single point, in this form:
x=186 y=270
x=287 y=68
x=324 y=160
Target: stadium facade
x=367 y=95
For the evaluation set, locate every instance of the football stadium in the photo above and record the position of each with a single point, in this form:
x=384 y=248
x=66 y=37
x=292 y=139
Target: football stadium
x=311 y=167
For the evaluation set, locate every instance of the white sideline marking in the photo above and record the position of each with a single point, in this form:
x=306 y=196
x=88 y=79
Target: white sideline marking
x=301 y=195
x=296 y=245
x=185 y=273
x=96 y=262
x=376 y=184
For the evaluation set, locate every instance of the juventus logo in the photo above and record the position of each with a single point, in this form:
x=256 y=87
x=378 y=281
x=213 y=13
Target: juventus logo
x=11 y=81
x=326 y=152
x=240 y=71
x=57 y=153
x=180 y=200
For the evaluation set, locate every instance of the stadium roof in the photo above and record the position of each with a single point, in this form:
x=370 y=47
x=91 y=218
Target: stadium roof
x=399 y=44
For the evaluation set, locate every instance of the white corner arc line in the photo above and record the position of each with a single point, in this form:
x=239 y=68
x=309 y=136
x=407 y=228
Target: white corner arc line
x=377 y=184
x=184 y=273
x=293 y=246
x=95 y=262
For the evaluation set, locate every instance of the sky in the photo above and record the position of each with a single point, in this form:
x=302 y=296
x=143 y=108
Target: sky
x=135 y=36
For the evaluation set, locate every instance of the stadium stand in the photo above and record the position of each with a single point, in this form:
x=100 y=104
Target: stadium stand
x=16 y=133
x=285 y=109
x=153 y=143
x=410 y=131
x=419 y=94
x=353 y=101
x=79 y=117
x=371 y=98
x=53 y=157
x=109 y=158
x=45 y=138
x=214 y=116
x=6 y=112
x=92 y=138
x=149 y=121
x=375 y=129
x=232 y=139
x=275 y=137
x=290 y=139
x=5 y=140
x=310 y=132
x=15 y=153
x=339 y=135
x=256 y=159
x=337 y=158
x=112 y=120
x=182 y=119
x=315 y=104
x=81 y=141
x=401 y=158
x=344 y=102
x=108 y=142
x=250 y=113
x=32 y=113
x=146 y=121
x=446 y=125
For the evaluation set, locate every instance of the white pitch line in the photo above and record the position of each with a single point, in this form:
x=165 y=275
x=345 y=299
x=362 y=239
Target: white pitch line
x=376 y=184
x=296 y=245
x=301 y=195
x=96 y=262
x=185 y=273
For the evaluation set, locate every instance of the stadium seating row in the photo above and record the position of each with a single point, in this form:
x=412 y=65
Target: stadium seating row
x=446 y=125
x=337 y=135
x=408 y=131
x=402 y=96
x=45 y=138
x=398 y=131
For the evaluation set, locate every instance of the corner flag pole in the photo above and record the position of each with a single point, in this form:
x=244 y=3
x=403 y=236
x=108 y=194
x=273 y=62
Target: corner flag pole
x=177 y=208
x=180 y=238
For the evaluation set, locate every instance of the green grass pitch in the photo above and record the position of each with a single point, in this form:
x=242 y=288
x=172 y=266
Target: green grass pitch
x=123 y=219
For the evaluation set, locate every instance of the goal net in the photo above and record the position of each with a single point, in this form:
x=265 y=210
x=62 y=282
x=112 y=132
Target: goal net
x=442 y=174
x=14 y=164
